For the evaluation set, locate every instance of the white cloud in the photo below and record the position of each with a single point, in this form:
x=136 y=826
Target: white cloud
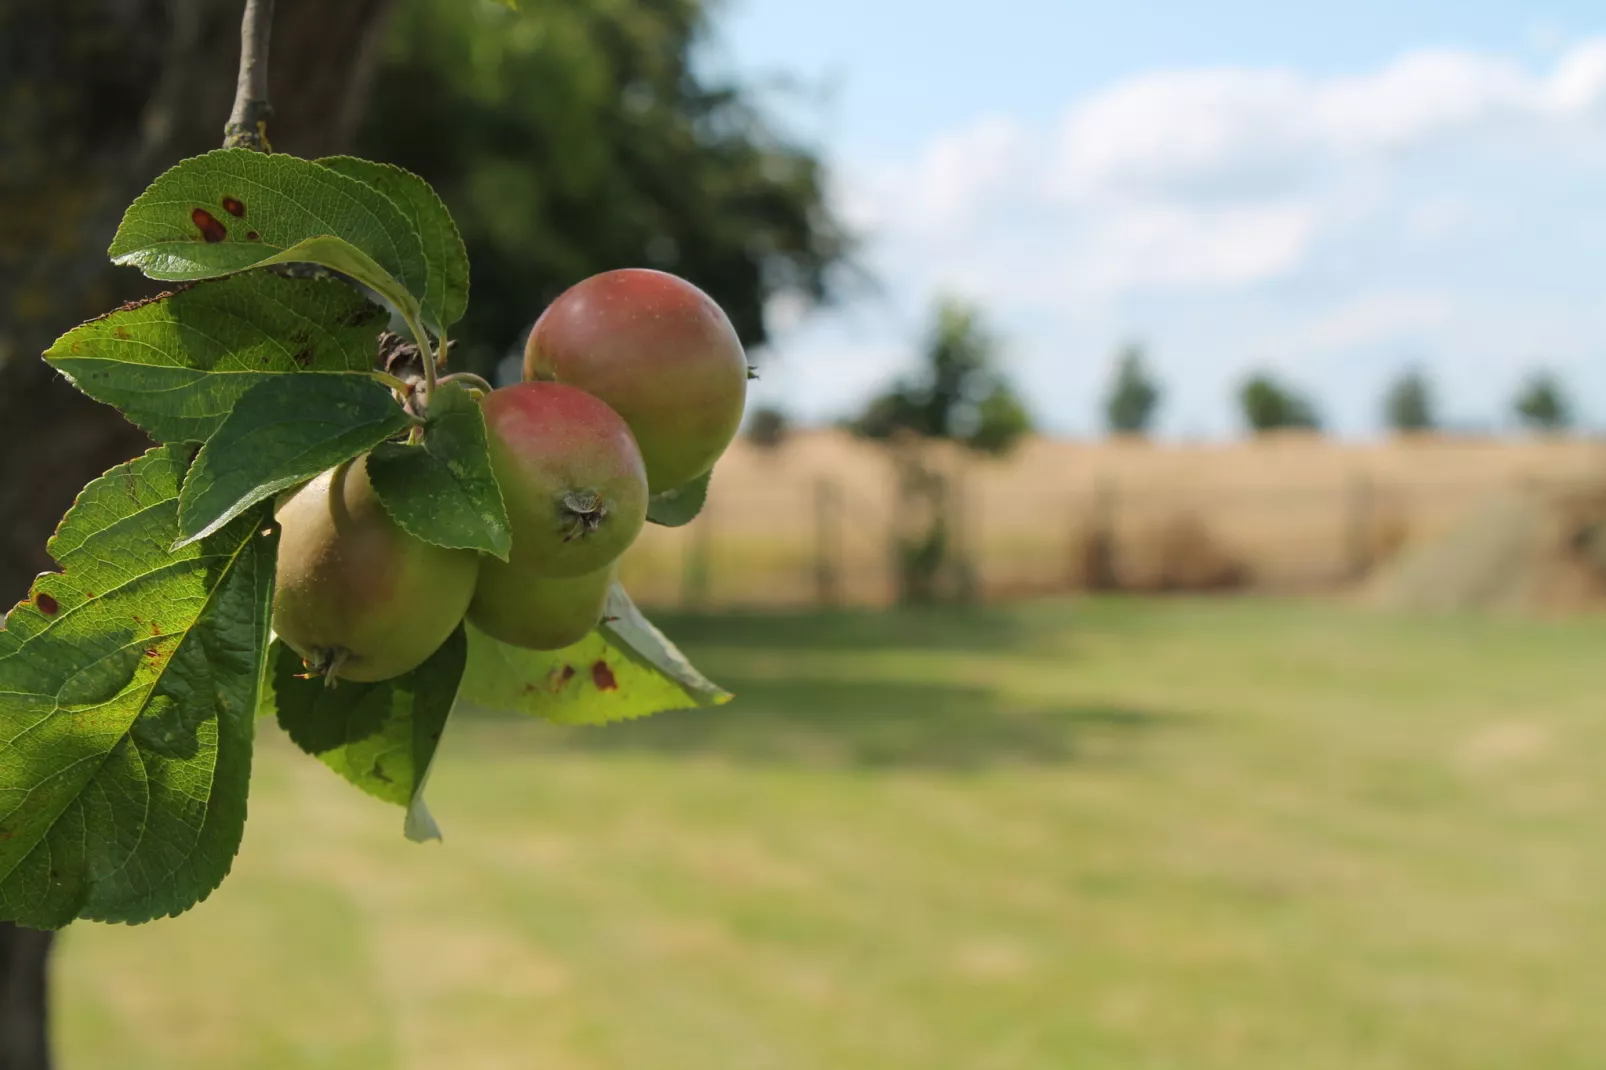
x=1578 y=85
x=1387 y=317
x=1210 y=177
x=1185 y=129
x=1237 y=214
x=1176 y=245
x=960 y=172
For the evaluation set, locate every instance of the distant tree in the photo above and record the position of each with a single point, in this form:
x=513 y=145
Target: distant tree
x=1134 y=396
x=1270 y=406
x=1409 y=403
x=767 y=427
x=1001 y=420
x=961 y=394
x=1542 y=403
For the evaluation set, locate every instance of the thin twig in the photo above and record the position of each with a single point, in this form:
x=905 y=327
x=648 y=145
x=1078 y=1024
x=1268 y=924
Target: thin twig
x=248 y=123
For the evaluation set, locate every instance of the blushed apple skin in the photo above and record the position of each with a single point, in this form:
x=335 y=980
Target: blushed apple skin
x=356 y=590
x=557 y=451
x=661 y=353
x=540 y=612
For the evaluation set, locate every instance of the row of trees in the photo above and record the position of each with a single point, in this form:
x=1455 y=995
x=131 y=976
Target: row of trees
x=960 y=393
x=1133 y=400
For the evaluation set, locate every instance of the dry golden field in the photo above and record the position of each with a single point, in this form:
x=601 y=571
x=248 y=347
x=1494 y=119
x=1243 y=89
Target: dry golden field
x=1283 y=512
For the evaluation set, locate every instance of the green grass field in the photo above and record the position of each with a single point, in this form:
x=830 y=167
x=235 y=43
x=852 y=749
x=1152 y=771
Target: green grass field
x=1135 y=835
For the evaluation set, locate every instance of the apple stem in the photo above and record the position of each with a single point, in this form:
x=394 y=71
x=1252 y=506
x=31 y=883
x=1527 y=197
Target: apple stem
x=470 y=380
x=337 y=661
x=426 y=355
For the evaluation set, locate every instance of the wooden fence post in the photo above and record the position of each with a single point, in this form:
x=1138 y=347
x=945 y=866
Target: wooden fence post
x=1099 y=542
x=827 y=542
x=1358 y=526
x=695 y=578
x=963 y=571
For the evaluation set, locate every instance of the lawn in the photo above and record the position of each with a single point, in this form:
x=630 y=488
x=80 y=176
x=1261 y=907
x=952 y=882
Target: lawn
x=1230 y=835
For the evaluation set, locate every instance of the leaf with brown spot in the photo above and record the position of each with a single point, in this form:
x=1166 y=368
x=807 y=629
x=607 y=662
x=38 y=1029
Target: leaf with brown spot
x=207 y=223
x=628 y=677
x=301 y=212
x=124 y=759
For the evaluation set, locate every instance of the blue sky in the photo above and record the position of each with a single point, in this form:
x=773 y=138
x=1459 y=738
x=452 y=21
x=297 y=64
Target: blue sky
x=1332 y=194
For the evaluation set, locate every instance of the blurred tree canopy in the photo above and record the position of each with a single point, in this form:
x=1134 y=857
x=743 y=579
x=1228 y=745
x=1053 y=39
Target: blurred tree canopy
x=96 y=98
x=1408 y=406
x=1542 y=403
x=1134 y=396
x=767 y=427
x=1269 y=405
x=573 y=136
x=961 y=394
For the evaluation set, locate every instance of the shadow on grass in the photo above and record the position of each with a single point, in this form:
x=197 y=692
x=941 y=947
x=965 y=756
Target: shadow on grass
x=879 y=724
x=977 y=629
x=808 y=719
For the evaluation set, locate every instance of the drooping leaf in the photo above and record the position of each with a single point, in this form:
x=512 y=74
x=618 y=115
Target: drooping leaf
x=346 y=258
x=680 y=505
x=233 y=209
x=629 y=627
x=177 y=365
x=446 y=291
x=443 y=490
x=381 y=736
x=128 y=685
x=623 y=670
x=282 y=433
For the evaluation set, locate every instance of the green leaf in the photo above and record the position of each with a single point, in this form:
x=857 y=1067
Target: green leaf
x=680 y=505
x=629 y=627
x=341 y=255
x=623 y=670
x=233 y=209
x=177 y=365
x=128 y=684
x=443 y=491
x=381 y=737
x=282 y=433
x=446 y=292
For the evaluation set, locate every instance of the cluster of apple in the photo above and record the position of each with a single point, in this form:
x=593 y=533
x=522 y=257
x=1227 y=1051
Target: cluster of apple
x=634 y=385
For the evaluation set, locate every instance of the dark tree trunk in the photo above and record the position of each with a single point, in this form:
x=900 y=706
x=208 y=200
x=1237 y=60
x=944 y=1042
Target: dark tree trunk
x=24 y=1034
x=96 y=98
